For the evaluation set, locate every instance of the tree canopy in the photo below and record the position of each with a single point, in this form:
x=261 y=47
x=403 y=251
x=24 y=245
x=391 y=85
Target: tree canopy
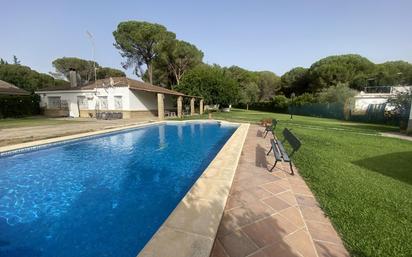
x=176 y=60
x=295 y=81
x=352 y=69
x=392 y=73
x=26 y=78
x=106 y=72
x=141 y=43
x=212 y=83
x=268 y=83
x=247 y=84
x=84 y=68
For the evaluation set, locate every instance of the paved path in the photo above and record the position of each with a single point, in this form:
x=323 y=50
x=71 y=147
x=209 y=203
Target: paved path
x=272 y=214
x=397 y=135
x=18 y=135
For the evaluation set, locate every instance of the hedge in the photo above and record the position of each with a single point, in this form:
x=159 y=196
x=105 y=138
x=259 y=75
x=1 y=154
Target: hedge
x=19 y=106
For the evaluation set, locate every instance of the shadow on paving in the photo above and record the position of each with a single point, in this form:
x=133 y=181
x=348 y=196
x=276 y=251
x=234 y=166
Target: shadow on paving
x=394 y=165
x=261 y=157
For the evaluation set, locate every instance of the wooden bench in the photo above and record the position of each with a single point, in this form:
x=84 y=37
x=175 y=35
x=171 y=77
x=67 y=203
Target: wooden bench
x=279 y=150
x=271 y=128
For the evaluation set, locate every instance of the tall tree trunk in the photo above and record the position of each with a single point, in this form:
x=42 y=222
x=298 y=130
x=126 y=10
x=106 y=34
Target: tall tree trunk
x=247 y=106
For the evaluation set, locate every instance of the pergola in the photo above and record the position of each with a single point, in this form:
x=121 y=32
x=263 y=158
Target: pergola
x=180 y=96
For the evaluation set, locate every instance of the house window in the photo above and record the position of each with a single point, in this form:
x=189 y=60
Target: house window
x=103 y=103
x=54 y=102
x=118 y=103
x=82 y=102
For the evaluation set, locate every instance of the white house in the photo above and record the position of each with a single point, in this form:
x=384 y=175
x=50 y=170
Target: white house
x=131 y=98
x=376 y=96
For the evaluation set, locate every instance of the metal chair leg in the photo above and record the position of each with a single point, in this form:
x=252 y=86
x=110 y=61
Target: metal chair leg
x=266 y=133
x=273 y=166
x=270 y=150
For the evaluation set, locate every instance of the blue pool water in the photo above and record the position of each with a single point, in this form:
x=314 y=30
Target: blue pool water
x=102 y=196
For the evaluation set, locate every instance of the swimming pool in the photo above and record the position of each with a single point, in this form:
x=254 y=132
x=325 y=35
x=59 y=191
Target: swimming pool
x=102 y=196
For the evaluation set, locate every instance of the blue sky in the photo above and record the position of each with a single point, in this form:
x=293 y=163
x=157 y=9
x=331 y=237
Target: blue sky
x=257 y=35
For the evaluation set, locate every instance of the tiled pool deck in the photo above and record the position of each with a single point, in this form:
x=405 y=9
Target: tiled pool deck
x=272 y=214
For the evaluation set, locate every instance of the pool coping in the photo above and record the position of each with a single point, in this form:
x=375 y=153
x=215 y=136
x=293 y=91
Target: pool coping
x=191 y=228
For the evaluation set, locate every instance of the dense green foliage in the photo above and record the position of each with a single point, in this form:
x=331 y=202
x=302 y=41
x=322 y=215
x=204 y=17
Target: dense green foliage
x=361 y=179
x=141 y=43
x=107 y=72
x=26 y=78
x=19 y=106
x=174 y=61
x=244 y=87
x=268 y=83
x=211 y=82
x=84 y=69
x=247 y=84
x=339 y=93
x=392 y=73
x=295 y=81
x=353 y=70
x=402 y=104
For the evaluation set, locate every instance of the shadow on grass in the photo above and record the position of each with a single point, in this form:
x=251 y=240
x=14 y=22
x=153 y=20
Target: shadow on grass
x=394 y=165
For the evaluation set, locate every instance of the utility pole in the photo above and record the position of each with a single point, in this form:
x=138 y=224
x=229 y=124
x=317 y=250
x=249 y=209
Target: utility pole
x=91 y=38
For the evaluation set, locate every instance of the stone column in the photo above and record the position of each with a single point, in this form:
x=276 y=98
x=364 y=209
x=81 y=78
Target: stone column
x=160 y=106
x=192 y=106
x=179 y=106
x=201 y=107
x=409 y=128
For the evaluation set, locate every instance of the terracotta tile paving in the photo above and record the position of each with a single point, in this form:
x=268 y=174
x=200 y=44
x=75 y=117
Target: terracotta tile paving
x=272 y=214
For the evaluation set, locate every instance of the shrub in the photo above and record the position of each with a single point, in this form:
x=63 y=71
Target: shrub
x=303 y=99
x=19 y=106
x=336 y=94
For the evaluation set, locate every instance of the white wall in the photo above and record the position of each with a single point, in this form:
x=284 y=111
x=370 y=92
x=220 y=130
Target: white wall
x=68 y=96
x=143 y=101
x=362 y=102
x=132 y=100
x=92 y=97
x=111 y=92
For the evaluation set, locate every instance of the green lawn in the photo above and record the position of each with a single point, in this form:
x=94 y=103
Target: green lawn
x=363 y=181
x=31 y=121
